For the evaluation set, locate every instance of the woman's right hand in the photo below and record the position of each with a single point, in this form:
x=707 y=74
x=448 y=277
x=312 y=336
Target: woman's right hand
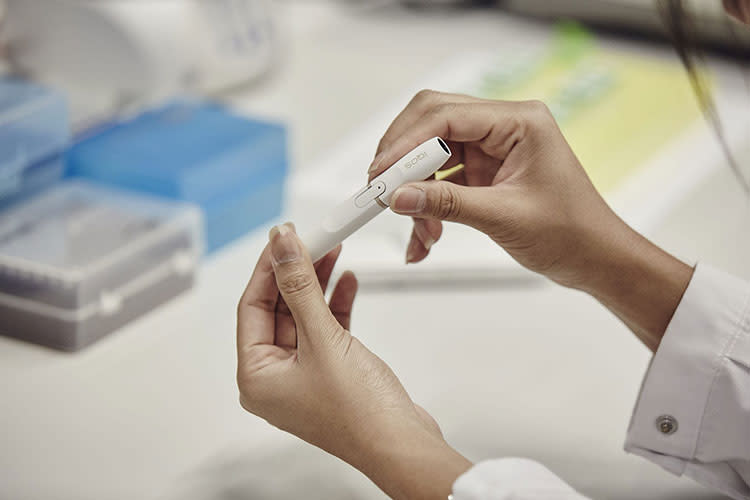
x=523 y=186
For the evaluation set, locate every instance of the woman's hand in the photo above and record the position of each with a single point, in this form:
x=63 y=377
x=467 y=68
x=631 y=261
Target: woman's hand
x=522 y=185
x=300 y=369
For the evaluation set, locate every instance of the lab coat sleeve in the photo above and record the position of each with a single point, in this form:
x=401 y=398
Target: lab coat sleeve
x=511 y=479
x=692 y=416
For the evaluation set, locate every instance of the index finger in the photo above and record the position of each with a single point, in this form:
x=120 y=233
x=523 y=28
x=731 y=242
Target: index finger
x=423 y=101
x=495 y=125
x=257 y=307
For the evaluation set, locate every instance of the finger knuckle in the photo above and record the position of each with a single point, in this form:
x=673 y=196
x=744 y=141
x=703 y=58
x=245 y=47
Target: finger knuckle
x=425 y=96
x=538 y=113
x=447 y=204
x=537 y=106
x=295 y=282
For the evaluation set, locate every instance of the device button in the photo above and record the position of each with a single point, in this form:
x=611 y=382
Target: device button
x=369 y=194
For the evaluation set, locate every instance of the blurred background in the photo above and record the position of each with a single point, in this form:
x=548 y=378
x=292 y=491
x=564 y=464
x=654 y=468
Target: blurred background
x=147 y=146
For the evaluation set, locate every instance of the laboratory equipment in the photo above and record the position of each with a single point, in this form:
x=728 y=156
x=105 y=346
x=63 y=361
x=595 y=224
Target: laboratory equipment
x=360 y=208
x=34 y=131
x=129 y=48
x=231 y=166
x=78 y=261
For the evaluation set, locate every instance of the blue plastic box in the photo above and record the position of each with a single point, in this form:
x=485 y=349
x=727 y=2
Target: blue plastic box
x=34 y=131
x=232 y=167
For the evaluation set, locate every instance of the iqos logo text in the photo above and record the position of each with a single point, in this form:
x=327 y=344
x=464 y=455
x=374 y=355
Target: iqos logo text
x=421 y=156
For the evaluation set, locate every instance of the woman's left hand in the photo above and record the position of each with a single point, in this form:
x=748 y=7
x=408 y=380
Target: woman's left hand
x=300 y=369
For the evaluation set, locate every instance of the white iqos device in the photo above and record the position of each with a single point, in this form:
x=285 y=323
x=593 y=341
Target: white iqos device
x=417 y=165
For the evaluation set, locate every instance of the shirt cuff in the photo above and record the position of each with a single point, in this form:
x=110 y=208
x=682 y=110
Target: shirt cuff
x=668 y=415
x=511 y=479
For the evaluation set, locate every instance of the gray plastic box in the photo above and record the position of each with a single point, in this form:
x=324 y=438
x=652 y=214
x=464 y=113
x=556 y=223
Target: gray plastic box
x=78 y=261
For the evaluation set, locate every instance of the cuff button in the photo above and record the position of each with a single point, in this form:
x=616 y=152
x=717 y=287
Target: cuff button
x=666 y=424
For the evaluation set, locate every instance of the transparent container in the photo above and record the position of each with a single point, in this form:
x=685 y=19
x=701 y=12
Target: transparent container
x=34 y=131
x=78 y=261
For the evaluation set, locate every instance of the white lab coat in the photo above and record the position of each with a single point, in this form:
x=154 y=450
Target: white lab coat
x=692 y=416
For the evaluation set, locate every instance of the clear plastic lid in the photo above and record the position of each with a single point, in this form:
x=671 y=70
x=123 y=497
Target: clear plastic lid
x=34 y=126
x=75 y=243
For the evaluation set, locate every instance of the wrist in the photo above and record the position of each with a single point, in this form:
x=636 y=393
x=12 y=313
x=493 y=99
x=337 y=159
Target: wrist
x=408 y=461
x=639 y=282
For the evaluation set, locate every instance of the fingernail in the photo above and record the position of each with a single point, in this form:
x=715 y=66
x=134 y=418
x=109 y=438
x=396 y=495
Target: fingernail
x=408 y=200
x=423 y=234
x=411 y=250
x=376 y=162
x=284 y=247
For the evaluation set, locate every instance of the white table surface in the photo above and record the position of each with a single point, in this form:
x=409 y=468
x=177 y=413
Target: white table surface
x=152 y=411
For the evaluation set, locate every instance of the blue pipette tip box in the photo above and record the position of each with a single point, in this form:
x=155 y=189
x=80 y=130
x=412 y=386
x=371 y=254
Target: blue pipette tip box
x=233 y=167
x=34 y=131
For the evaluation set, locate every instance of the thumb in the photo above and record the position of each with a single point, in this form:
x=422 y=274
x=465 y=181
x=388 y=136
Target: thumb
x=444 y=200
x=297 y=281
